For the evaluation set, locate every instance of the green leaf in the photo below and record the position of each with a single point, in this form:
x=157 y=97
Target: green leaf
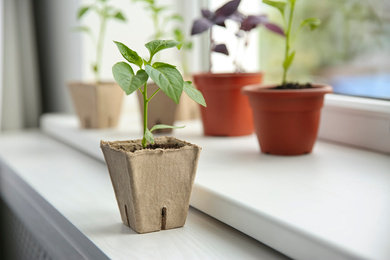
x=168 y=79
x=94 y=67
x=162 y=64
x=124 y=75
x=281 y=6
x=119 y=16
x=156 y=127
x=289 y=60
x=130 y=55
x=82 y=11
x=193 y=93
x=313 y=23
x=159 y=45
x=177 y=17
x=149 y=136
x=82 y=29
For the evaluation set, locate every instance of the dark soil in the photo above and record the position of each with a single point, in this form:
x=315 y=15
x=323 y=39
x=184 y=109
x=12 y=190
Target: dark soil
x=164 y=146
x=151 y=147
x=294 y=85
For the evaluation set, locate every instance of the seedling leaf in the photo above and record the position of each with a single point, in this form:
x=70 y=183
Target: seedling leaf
x=281 y=6
x=168 y=79
x=156 y=127
x=119 y=16
x=288 y=61
x=82 y=11
x=159 y=45
x=130 y=55
x=124 y=75
x=313 y=23
x=193 y=93
x=149 y=136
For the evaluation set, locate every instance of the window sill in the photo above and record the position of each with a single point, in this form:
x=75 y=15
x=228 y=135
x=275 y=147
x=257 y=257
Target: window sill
x=360 y=122
x=65 y=200
x=331 y=204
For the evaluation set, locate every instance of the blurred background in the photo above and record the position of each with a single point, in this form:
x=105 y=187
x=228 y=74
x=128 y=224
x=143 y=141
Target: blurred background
x=41 y=51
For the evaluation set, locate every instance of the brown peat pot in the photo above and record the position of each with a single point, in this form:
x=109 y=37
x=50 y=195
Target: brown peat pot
x=228 y=112
x=286 y=121
x=152 y=186
x=97 y=105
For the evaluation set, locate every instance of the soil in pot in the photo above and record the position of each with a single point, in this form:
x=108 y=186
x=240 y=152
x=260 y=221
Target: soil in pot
x=152 y=186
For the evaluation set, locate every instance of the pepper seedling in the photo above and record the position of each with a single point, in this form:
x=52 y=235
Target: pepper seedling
x=104 y=12
x=287 y=11
x=166 y=76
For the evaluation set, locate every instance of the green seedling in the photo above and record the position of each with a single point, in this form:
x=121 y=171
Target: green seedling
x=166 y=76
x=287 y=11
x=105 y=13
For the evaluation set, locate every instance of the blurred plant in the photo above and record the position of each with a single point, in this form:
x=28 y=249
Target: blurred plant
x=246 y=23
x=162 y=19
x=355 y=25
x=288 y=16
x=105 y=12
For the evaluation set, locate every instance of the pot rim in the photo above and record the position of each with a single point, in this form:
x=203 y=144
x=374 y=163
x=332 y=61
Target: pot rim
x=266 y=89
x=115 y=145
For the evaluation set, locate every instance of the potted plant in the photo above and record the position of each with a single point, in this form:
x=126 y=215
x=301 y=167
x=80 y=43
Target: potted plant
x=152 y=177
x=97 y=103
x=287 y=115
x=165 y=110
x=229 y=112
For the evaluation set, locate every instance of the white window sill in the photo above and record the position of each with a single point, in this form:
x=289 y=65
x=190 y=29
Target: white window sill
x=65 y=200
x=356 y=121
x=331 y=204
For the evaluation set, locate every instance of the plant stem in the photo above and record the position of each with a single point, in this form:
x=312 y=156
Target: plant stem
x=100 y=43
x=288 y=33
x=211 y=49
x=145 y=98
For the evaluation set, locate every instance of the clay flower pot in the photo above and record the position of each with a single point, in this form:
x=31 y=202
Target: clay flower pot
x=161 y=111
x=286 y=121
x=97 y=105
x=152 y=186
x=228 y=112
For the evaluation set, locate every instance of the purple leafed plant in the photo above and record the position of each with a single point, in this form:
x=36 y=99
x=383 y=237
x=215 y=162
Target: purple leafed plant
x=246 y=23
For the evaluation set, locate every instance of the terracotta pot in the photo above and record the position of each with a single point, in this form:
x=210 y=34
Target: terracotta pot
x=286 y=121
x=161 y=109
x=228 y=112
x=152 y=192
x=97 y=105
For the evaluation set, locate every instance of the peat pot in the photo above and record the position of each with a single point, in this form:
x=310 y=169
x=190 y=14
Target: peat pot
x=228 y=112
x=97 y=105
x=286 y=121
x=152 y=186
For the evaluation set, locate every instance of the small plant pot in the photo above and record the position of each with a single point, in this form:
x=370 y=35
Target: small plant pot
x=161 y=111
x=286 y=121
x=97 y=105
x=228 y=112
x=152 y=186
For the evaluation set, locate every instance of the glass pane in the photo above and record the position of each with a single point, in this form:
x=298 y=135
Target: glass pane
x=350 y=50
